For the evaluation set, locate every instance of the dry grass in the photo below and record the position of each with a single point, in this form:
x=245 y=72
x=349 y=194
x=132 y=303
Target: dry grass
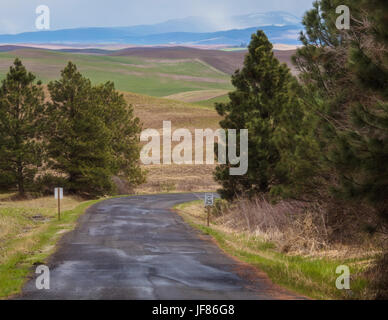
x=153 y=111
x=178 y=178
x=45 y=203
x=293 y=227
x=175 y=178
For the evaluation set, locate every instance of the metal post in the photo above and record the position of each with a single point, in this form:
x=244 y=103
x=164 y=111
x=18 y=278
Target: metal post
x=208 y=216
x=59 y=206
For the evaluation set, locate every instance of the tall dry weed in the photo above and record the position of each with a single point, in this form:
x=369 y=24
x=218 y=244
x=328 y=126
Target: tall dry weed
x=291 y=225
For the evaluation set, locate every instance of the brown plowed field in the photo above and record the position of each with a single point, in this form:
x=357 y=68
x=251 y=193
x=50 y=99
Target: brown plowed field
x=225 y=61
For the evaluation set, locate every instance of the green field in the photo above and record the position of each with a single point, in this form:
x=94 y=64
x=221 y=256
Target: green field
x=154 y=77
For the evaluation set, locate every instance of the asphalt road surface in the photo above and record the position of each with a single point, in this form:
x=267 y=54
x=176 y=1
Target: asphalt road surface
x=137 y=248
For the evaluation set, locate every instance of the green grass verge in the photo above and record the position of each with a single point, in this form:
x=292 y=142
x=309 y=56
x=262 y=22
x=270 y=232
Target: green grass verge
x=311 y=277
x=16 y=268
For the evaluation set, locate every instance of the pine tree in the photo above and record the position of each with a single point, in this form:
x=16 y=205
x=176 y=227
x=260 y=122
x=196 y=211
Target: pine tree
x=366 y=143
x=21 y=123
x=79 y=140
x=93 y=134
x=125 y=129
x=345 y=74
x=295 y=140
x=262 y=92
x=353 y=107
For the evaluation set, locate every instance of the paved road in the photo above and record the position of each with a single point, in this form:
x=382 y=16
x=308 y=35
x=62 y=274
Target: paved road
x=136 y=248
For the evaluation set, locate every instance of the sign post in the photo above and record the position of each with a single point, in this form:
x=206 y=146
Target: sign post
x=209 y=202
x=58 y=194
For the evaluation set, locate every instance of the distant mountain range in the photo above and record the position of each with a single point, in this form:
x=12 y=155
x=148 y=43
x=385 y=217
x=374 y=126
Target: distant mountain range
x=280 y=27
x=207 y=25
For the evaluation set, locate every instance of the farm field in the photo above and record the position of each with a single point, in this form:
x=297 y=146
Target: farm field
x=150 y=76
x=178 y=73
x=174 y=178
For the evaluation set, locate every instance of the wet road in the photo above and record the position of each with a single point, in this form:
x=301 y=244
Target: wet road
x=136 y=248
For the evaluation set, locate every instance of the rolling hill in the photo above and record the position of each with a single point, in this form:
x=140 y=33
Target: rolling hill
x=155 y=77
x=156 y=71
x=225 y=61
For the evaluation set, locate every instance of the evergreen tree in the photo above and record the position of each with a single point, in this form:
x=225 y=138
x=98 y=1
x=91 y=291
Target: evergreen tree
x=125 y=129
x=78 y=137
x=345 y=73
x=345 y=76
x=21 y=122
x=262 y=93
x=295 y=140
x=366 y=143
x=93 y=134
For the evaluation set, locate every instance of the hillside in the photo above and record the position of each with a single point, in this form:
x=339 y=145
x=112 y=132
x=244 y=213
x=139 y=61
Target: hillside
x=225 y=61
x=158 y=72
x=169 y=178
x=154 y=77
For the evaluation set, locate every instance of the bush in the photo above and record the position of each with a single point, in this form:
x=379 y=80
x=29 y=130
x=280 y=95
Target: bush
x=45 y=184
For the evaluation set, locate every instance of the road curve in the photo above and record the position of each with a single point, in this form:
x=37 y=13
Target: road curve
x=137 y=248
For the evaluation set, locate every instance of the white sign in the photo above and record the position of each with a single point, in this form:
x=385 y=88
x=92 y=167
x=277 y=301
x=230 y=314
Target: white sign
x=60 y=191
x=209 y=199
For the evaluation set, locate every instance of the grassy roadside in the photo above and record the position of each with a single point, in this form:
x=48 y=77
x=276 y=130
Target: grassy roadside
x=29 y=231
x=314 y=277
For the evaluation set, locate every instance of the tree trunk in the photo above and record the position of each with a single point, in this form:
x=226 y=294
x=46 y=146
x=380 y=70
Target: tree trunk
x=20 y=181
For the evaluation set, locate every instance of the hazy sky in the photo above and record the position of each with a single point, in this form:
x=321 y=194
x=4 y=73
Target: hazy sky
x=19 y=15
